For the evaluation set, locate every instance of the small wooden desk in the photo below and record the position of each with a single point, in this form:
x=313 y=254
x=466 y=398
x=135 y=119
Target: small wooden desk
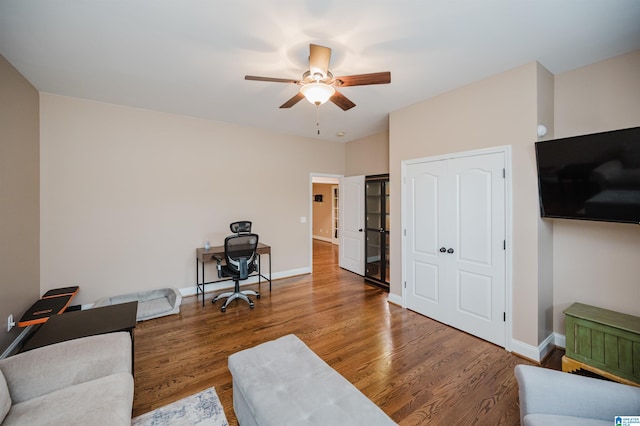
x=204 y=256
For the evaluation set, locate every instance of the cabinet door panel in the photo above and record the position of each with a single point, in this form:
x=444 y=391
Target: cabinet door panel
x=374 y=255
x=377 y=223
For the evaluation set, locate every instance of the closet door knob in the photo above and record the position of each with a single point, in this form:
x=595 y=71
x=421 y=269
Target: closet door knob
x=442 y=249
x=450 y=251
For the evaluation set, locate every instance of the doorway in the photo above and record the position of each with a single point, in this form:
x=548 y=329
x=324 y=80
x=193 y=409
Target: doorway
x=324 y=225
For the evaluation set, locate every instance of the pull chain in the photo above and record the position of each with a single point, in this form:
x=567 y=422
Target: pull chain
x=318 y=117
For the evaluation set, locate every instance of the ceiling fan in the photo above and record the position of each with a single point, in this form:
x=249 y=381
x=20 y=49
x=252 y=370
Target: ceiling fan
x=318 y=85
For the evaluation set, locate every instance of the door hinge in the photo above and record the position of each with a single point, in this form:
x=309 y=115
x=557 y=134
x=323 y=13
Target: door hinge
x=405 y=232
x=504 y=244
x=405 y=284
x=504 y=317
x=504 y=174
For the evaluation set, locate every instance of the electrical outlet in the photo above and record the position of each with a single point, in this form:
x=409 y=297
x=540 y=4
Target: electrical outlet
x=10 y=323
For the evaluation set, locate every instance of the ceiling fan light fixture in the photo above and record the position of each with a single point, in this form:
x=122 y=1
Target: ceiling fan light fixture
x=317 y=93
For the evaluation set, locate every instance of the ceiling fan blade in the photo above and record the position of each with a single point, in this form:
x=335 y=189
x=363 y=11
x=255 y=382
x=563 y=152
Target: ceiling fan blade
x=342 y=101
x=294 y=100
x=319 y=57
x=274 y=80
x=364 y=79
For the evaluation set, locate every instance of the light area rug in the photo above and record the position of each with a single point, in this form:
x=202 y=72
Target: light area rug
x=203 y=408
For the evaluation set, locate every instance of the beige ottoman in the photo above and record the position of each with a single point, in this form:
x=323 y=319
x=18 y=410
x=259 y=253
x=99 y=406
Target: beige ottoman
x=282 y=382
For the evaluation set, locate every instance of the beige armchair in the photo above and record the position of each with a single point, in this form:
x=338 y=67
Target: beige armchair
x=84 y=381
x=551 y=397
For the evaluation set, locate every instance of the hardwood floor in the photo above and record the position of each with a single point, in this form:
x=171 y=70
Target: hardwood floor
x=417 y=370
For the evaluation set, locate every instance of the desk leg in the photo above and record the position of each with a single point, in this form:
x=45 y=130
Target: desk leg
x=133 y=371
x=197 y=281
x=269 y=272
x=203 y=281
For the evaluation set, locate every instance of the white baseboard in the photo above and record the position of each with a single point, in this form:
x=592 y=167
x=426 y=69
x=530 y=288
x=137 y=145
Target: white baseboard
x=526 y=350
x=536 y=353
x=560 y=340
x=546 y=346
x=395 y=299
x=223 y=285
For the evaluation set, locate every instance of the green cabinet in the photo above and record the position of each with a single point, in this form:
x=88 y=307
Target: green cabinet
x=606 y=341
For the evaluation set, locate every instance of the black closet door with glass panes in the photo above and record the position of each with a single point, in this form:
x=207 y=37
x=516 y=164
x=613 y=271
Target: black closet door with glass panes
x=377 y=230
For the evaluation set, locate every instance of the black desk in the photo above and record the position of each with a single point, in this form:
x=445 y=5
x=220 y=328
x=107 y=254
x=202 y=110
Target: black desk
x=89 y=322
x=204 y=256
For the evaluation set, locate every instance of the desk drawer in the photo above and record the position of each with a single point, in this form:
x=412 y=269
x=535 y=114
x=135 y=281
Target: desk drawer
x=207 y=257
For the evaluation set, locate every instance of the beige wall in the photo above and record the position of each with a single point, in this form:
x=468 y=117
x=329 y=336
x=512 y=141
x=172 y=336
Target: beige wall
x=322 y=211
x=128 y=194
x=555 y=262
x=597 y=263
x=368 y=155
x=19 y=198
x=500 y=110
x=545 y=227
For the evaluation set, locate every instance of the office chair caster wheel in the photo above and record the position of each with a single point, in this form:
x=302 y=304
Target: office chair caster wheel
x=223 y=309
x=257 y=296
x=251 y=306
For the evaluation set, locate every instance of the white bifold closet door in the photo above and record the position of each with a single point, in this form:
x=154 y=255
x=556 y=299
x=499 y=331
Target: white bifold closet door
x=454 y=248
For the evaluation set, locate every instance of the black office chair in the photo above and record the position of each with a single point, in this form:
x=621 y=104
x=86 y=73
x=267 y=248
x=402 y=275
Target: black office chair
x=240 y=227
x=241 y=257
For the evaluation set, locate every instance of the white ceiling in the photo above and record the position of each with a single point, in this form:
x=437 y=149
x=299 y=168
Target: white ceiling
x=190 y=56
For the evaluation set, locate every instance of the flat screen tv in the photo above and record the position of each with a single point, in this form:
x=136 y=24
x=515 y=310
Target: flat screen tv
x=591 y=177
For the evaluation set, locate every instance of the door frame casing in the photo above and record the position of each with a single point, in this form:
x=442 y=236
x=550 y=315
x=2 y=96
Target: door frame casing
x=335 y=204
x=506 y=151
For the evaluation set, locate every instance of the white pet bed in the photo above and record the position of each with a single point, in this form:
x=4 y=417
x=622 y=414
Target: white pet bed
x=151 y=304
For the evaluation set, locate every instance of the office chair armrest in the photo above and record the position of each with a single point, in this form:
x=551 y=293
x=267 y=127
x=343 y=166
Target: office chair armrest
x=243 y=268
x=219 y=265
